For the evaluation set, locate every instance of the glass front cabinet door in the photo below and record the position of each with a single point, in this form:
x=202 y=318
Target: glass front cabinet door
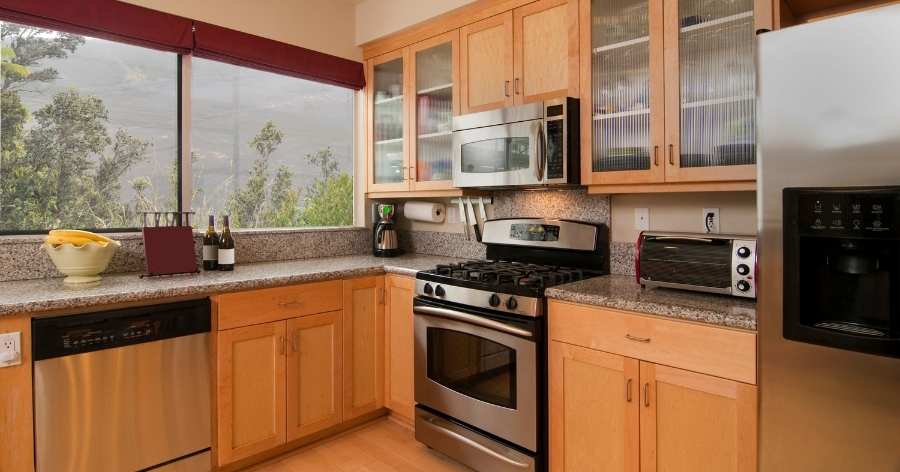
x=672 y=91
x=388 y=151
x=434 y=76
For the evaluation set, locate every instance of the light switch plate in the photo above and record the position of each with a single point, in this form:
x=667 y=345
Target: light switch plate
x=642 y=219
x=10 y=349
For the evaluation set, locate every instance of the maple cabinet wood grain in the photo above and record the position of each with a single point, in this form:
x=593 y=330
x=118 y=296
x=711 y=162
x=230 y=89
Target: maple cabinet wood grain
x=398 y=366
x=16 y=406
x=313 y=373
x=545 y=46
x=277 y=303
x=486 y=64
x=363 y=346
x=692 y=422
x=250 y=386
x=593 y=410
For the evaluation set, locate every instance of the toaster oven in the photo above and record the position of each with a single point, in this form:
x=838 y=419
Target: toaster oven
x=712 y=263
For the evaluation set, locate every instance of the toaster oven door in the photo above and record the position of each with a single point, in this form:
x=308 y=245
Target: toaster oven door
x=500 y=156
x=692 y=263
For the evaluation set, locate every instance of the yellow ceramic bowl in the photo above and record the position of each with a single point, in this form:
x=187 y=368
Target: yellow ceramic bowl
x=82 y=264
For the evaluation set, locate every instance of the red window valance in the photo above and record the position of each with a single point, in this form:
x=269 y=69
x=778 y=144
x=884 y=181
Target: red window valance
x=105 y=19
x=223 y=44
x=127 y=23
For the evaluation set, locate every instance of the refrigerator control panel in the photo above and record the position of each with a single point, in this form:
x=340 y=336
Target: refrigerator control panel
x=845 y=212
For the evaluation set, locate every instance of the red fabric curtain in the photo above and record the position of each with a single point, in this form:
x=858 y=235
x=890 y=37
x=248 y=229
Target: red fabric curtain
x=107 y=19
x=235 y=47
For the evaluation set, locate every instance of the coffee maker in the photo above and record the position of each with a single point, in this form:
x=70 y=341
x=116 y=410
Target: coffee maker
x=842 y=268
x=384 y=234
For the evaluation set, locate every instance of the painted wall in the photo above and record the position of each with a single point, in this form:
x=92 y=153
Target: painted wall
x=683 y=212
x=325 y=26
x=377 y=18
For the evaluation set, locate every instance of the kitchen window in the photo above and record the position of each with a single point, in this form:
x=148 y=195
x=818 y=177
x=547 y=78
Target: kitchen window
x=271 y=150
x=89 y=131
x=166 y=113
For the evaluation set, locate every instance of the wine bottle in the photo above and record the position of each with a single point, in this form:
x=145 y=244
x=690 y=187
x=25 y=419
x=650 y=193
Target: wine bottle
x=211 y=246
x=226 y=248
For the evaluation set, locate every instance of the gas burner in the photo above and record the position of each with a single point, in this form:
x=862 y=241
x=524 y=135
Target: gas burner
x=508 y=276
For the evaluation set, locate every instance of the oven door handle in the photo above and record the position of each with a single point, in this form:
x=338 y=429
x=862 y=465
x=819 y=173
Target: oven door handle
x=472 y=319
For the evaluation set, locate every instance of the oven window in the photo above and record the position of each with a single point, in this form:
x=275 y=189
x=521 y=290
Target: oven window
x=473 y=366
x=495 y=155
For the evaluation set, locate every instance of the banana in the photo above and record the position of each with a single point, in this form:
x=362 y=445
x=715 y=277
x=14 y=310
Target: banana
x=74 y=233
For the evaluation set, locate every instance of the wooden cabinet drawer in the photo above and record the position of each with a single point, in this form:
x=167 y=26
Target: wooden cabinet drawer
x=722 y=352
x=279 y=303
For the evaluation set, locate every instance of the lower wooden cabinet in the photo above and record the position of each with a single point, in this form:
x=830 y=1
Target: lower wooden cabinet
x=614 y=413
x=250 y=382
x=313 y=374
x=398 y=365
x=363 y=356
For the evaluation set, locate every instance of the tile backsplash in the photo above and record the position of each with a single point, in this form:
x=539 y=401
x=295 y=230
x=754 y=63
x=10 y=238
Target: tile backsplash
x=22 y=258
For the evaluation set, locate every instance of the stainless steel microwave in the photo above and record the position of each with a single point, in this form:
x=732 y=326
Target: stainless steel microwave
x=531 y=145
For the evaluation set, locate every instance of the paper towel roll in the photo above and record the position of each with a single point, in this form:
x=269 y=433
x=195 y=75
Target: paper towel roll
x=424 y=211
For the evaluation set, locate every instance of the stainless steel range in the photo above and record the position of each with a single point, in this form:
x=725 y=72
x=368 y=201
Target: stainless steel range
x=481 y=346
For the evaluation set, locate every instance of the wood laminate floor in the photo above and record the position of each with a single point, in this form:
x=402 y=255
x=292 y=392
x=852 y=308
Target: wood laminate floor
x=381 y=446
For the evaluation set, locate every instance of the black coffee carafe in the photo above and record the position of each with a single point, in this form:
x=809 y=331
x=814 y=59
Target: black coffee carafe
x=384 y=234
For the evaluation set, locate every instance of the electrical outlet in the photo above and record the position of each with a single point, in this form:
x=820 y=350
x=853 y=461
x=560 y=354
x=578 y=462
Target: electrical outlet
x=10 y=349
x=642 y=219
x=711 y=220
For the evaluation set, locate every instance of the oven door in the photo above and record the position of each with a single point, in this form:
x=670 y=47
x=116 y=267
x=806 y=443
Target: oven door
x=500 y=155
x=481 y=371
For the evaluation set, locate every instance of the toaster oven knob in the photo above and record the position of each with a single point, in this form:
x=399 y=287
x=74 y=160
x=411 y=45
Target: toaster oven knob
x=494 y=300
x=743 y=269
x=743 y=252
x=512 y=304
x=439 y=291
x=427 y=289
x=743 y=285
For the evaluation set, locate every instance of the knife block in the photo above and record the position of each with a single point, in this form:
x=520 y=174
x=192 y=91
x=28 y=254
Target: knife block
x=169 y=250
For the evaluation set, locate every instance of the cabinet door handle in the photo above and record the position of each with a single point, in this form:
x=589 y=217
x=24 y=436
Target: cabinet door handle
x=628 y=390
x=516 y=86
x=647 y=395
x=656 y=155
x=506 y=88
x=405 y=173
x=637 y=339
x=412 y=173
x=672 y=154
x=281 y=345
x=295 y=341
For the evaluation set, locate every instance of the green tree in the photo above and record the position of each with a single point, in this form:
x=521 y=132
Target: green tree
x=329 y=199
x=247 y=204
x=29 y=46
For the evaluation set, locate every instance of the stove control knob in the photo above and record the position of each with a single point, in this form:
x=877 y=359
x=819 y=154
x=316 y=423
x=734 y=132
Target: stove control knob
x=743 y=252
x=512 y=304
x=439 y=291
x=743 y=269
x=743 y=285
x=494 y=300
x=427 y=289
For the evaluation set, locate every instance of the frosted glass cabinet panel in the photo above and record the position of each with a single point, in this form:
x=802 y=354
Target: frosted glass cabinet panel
x=711 y=107
x=388 y=122
x=626 y=90
x=435 y=80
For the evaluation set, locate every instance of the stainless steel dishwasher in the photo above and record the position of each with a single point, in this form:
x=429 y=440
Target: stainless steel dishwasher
x=124 y=390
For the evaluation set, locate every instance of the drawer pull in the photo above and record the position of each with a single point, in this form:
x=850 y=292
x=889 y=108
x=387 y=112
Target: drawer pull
x=290 y=304
x=647 y=395
x=628 y=390
x=637 y=339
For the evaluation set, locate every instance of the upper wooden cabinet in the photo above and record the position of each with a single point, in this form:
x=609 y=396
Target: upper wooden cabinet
x=520 y=56
x=363 y=346
x=668 y=89
x=388 y=149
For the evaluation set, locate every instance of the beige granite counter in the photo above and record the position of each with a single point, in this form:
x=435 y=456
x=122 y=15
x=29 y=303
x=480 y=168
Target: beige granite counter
x=43 y=295
x=623 y=293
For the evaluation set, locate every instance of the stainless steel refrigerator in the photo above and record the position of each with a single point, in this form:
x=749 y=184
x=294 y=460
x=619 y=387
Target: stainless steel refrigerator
x=829 y=118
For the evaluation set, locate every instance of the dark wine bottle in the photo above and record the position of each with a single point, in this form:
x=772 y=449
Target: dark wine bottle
x=211 y=246
x=226 y=248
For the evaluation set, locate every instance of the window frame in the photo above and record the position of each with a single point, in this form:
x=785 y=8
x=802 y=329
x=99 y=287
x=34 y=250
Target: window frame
x=183 y=158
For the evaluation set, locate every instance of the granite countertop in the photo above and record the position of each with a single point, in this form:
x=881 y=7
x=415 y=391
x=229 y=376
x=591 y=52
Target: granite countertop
x=623 y=293
x=42 y=295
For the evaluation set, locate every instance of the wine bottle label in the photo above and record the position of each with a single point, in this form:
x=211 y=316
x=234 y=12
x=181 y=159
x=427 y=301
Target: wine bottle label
x=226 y=256
x=210 y=252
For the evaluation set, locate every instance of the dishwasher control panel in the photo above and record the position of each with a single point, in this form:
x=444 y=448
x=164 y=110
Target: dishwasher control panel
x=75 y=334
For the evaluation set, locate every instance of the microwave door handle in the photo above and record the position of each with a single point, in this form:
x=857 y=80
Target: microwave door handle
x=472 y=319
x=542 y=152
x=682 y=238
